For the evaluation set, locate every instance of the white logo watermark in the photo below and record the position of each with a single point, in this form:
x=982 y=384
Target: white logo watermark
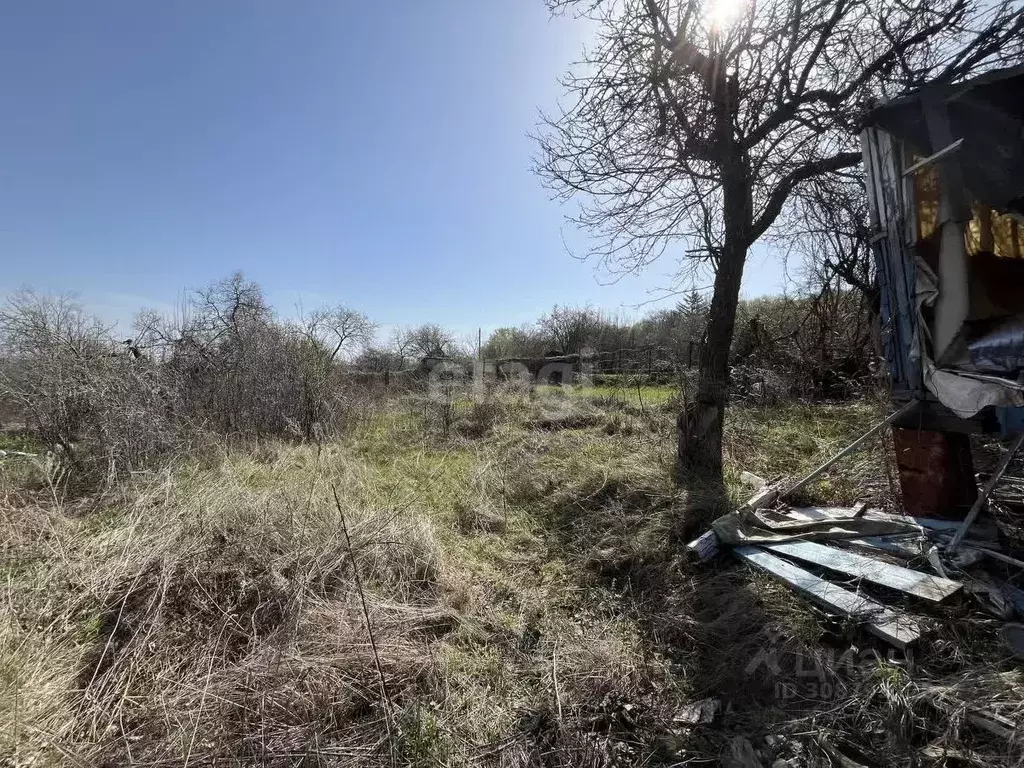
x=819 y=676
x=550 y=382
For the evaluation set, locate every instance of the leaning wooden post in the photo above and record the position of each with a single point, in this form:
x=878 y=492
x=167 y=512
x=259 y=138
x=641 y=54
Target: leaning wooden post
x=983 y=496
x=849 y=449
x=706 y=546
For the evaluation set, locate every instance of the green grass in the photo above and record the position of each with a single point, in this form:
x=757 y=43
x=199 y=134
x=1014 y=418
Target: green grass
x=790 y=440
x=13 y=441
x=648 y=395
x=522 y=577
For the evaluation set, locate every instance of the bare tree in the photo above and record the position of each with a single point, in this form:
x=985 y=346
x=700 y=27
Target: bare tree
x=684 y=124
x=226 y=313
x=35 y=323
x=429 y=340
x=400 y=343
x=524 y=341
x=570 y=329
x=827 y=227
x=326 y=333
x=338 y=329
x=378 y=359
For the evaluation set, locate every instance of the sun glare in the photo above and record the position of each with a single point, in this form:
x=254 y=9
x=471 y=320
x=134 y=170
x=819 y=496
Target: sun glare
x=721 y=14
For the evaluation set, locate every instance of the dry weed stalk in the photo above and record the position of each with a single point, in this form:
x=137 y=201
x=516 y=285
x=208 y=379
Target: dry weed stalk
x=366 y=612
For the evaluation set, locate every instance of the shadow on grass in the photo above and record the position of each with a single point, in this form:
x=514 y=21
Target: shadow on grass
x=705 y=498
x=727 y=636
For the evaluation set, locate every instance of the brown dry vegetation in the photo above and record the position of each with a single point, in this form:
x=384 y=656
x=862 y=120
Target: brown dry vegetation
x=525 y=591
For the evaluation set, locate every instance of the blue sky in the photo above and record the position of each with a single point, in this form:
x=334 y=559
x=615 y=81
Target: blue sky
x=374 y=154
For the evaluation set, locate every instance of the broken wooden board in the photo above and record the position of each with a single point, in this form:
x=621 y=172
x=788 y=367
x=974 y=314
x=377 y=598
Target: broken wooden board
x=765 y=497
x=892 y=627
x=912 y=582
x=901 y=546
x=705 y=547
x=816 y=514
x=997 y=556
x=978 y=530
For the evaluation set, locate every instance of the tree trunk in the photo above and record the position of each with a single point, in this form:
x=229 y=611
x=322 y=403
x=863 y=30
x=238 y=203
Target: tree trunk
x=700 y=424
x=699 y=427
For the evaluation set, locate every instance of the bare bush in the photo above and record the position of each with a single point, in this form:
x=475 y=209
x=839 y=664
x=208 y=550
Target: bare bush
x=101 y=410
x=428 y=340
x=226 y=366
x=240 y=372
x=818 y=347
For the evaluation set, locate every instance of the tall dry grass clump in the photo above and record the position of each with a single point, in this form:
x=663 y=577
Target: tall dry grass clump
x=212 y=617
x=209 y=613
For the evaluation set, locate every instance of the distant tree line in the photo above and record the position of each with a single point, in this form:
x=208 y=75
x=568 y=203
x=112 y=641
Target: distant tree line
x=819 y=344
x=226 y=364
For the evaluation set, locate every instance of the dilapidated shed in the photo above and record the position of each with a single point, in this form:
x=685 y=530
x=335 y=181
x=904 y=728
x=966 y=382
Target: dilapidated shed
x=945 y=182
x=945 y=171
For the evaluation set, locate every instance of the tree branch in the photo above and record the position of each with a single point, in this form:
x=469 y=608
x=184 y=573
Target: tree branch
x=777 y=199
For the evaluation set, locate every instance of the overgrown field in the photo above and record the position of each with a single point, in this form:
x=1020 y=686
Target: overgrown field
x=511 y=594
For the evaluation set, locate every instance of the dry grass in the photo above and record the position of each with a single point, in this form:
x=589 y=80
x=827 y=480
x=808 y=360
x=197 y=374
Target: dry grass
x=524 y=589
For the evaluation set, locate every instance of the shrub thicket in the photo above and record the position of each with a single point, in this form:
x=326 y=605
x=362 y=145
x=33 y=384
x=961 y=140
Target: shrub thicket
x=227 y=366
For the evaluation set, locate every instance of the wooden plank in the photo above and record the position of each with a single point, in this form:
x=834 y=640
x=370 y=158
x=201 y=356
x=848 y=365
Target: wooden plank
x=705 y=547
x=922 y=585
x=999 y=556
x=815 y=514
x=764 y=498
x=975 y=510
x=951 y=526
x=897 y=545
x=894 y=628
x=932 y=158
